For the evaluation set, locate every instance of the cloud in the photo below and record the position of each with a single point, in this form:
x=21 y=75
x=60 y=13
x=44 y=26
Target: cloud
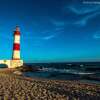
x=58 y=23
x=48 y=37
x=83 y=21
x=81 y=13
x=59 y=28
x=45 y=35
x=42 y=38
x=38 y=41
x=53 y=34
x=83 y=8
x=96 y=35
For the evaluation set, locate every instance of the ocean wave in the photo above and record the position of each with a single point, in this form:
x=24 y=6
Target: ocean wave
x=70 y=71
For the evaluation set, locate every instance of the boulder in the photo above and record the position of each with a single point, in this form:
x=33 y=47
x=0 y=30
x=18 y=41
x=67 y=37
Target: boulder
x=28 y=68
x=18 y=72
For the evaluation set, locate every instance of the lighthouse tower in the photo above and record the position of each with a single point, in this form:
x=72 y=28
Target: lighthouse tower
x=16 y=61
x=16 y=45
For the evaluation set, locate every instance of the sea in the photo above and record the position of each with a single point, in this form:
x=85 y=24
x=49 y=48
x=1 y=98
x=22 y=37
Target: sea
x=82 y=71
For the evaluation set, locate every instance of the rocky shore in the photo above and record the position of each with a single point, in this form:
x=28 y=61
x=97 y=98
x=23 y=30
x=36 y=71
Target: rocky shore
x=15 y=87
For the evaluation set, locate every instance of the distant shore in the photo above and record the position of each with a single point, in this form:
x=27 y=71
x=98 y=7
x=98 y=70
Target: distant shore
x=18 y=87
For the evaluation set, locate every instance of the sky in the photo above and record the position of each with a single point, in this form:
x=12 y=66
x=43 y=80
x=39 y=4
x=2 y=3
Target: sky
x=51 y=30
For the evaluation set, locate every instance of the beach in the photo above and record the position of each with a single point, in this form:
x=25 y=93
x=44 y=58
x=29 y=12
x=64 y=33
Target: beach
x=18 y=87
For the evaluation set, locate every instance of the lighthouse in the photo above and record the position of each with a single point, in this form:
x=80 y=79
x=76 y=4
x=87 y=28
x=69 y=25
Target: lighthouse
x=16 y=45
x=16 y=59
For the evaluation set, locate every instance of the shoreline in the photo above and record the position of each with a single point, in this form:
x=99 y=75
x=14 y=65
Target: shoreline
x=11 y=71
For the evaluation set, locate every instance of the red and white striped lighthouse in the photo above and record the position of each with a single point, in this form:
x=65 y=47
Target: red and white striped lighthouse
x=16 y=60
x=16 y=45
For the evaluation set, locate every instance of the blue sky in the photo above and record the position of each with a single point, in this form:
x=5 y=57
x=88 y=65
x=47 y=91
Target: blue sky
x=51 y=30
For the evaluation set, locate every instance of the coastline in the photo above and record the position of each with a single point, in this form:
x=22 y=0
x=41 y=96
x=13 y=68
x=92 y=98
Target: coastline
x=22 y=88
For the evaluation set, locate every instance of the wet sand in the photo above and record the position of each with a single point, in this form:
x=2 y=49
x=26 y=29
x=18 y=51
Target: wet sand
x=14 y=87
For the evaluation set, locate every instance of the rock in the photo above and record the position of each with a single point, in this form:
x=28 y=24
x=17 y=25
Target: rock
x=28 y=68
x=18 y=73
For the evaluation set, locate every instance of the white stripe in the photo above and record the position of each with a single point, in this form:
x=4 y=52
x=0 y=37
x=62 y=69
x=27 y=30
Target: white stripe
x=17 y=39
x=16 y=54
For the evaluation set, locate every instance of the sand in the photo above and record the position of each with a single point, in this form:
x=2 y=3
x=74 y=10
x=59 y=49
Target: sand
x=14 y=87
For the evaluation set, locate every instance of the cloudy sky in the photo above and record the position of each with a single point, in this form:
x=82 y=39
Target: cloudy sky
x=51 y=30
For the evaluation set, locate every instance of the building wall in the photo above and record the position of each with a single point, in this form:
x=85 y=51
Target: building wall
x=12 y=63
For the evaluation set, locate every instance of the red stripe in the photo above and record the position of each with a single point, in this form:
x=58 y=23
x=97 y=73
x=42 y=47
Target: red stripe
x=16 y=46
x=16 y=33
x=16 y=58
